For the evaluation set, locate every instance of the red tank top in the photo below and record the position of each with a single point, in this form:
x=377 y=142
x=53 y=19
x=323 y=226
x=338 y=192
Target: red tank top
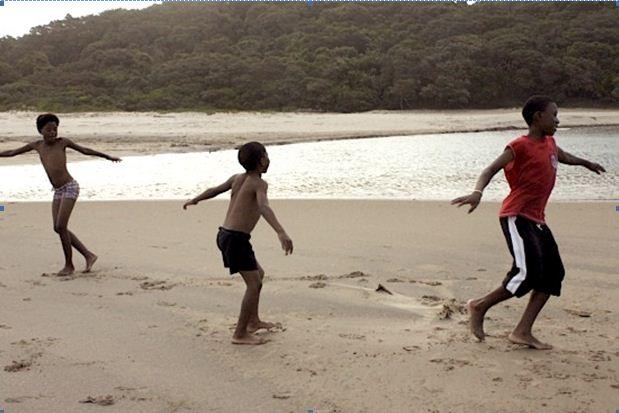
x=531 y=177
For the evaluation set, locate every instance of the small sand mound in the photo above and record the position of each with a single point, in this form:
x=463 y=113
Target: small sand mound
x=106 y=400
x=450 y=308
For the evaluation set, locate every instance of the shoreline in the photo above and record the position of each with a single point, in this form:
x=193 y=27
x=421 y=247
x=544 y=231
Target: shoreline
x=317 y=200
x=139 y=133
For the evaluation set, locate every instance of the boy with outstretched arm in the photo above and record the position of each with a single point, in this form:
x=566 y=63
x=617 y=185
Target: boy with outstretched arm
x=52 y=152
x=530 y=164
x=248 y=202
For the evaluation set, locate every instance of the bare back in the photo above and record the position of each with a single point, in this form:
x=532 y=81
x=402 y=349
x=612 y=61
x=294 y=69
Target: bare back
x=243 y=212
x=54 y=160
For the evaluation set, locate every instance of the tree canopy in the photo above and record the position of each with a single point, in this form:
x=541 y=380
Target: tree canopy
x=328 y=57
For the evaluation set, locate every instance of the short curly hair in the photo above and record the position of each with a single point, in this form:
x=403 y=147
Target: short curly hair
x=46 y=118
x=536 y=103
x=250 y=155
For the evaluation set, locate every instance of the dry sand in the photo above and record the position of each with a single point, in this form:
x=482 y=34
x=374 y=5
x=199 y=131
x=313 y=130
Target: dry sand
x=145 y=133
x=149 y=329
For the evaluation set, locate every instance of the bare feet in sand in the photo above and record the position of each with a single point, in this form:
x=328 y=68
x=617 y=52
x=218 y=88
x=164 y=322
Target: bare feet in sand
x=90 y=261
x=253 y=327
x=67 y=270
x=476 y=320
x=250 y=339
x=528 y=340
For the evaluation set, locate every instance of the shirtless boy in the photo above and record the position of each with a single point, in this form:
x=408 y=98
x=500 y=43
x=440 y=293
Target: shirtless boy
x=51 y=150
x=248 y=202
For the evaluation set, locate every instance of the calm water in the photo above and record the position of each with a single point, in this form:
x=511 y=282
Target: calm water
x=428 y=167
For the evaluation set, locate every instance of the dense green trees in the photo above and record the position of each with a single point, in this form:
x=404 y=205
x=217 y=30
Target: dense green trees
x=329 y=57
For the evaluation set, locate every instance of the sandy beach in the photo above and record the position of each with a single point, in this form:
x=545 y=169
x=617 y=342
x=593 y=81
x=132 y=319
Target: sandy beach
x=149 y=329
x=129 y=133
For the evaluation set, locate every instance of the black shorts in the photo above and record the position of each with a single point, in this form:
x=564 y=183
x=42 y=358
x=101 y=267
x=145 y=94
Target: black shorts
x=236 y=250
x=537 y=263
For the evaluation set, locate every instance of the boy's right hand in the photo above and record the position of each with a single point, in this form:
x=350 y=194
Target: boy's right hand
x=473 y=200
x=188 y=203
x=286 y=242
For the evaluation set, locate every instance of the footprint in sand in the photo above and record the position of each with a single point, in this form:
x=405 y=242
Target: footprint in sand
x=319 y=277
x=282 y=396
x=431 y=283
x=317 y=285
x=351 y=336
x=599 y=356
x=354 y=274
x=106 y=400
x=156 y=285
x=579 y=313
x=130 y=393
x=202 y=325
x=451 y=363
x=431 y=300
x=32 y=348
x=450 y=308
x=16 y=366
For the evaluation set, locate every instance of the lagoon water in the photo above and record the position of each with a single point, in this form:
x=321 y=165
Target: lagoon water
x=422 y=167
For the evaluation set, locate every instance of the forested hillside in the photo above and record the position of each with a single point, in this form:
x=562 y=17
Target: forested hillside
x=327 y=57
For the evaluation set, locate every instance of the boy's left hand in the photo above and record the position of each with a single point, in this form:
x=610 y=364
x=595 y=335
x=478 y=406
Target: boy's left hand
x=595 y=167
x=113 y=159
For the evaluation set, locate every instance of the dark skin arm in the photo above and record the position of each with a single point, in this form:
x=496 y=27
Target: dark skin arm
x=90 y=152
x=211 y=192
x=569 y=159
x=269 y=216
x=18 y=151
x=484 y=179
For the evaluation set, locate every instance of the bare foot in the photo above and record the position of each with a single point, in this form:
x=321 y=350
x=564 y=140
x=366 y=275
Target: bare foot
x=67 y=270
x=248 y=339
x=253 y=327
x=476 y=320
x=90 y=261
x=528 y=340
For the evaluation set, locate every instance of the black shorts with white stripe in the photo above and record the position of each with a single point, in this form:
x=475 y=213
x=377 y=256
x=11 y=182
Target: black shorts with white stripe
x=537 y=263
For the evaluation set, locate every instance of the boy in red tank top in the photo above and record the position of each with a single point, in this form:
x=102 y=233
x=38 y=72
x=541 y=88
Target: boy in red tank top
x=530 y=165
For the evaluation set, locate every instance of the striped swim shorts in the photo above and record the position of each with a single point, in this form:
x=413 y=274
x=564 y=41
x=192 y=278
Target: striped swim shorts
x=537 y=264
x=69 y=190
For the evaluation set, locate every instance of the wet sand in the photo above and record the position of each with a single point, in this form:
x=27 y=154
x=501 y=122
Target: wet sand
x=148 y=133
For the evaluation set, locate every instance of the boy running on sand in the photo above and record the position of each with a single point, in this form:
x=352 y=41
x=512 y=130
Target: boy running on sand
x=248 y=201
x=51 y=150
x=530 y=164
